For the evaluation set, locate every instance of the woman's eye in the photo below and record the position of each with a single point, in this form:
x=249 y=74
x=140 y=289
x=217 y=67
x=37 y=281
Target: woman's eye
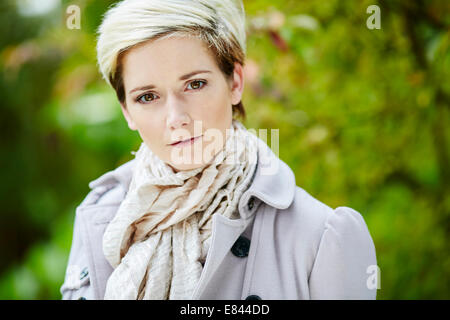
x=146 y=98
x=196 y=84
x=149 y=97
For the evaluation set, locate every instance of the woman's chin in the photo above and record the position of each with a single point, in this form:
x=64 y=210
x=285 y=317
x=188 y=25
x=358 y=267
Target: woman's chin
x=191 y=160
x=185 y=167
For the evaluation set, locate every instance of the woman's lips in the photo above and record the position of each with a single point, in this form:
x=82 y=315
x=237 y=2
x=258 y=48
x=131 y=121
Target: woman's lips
x=186 y=142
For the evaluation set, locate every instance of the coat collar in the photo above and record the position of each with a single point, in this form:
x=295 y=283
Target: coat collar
x=273 y=182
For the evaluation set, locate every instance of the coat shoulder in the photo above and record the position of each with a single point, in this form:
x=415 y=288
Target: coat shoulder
x=335 y=244
x=112 y=194
x=309 y=212
x=310 y=219
x=111 y=187
x=317 y=216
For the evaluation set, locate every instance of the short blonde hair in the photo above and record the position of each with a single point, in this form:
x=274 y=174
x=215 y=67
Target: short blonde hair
x=128 y=23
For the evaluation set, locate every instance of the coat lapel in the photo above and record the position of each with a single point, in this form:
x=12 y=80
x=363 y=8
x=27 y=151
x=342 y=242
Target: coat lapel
x=225 y=233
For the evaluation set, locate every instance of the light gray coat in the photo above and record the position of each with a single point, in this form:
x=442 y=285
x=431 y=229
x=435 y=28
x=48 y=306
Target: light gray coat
x=300 y=248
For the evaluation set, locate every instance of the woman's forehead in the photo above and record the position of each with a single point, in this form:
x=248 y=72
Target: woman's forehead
x=171 y=57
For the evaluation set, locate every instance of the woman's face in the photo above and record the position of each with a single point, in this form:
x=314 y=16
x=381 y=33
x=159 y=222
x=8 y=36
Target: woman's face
x=174 y=90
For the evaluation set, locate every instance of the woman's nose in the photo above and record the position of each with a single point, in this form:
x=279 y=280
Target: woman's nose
x=177 y=117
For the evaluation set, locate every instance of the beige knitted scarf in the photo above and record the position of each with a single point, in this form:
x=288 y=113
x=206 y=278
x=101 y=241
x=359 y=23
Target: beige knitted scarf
x=159 y=239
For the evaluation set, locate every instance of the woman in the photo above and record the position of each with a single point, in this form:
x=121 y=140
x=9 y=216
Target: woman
x=205 y=210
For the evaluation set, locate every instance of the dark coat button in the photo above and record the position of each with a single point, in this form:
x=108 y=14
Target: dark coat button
x=253 y=297
x=241 y=247
x=251 y=203
x=84 y=273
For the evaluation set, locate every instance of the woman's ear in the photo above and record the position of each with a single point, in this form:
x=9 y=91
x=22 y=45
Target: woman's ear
x=127 y=116
x=237 y=86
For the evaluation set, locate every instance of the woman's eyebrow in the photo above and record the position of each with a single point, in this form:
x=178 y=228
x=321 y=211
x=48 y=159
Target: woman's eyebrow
x=193 y=73
x=183 y=77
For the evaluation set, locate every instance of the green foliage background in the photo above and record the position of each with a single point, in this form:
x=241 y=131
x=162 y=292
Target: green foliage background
x=363 y=119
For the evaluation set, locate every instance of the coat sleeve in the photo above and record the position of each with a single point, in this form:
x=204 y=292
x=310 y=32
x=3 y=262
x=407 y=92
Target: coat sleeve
x=345 y=260
x=77 y=279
